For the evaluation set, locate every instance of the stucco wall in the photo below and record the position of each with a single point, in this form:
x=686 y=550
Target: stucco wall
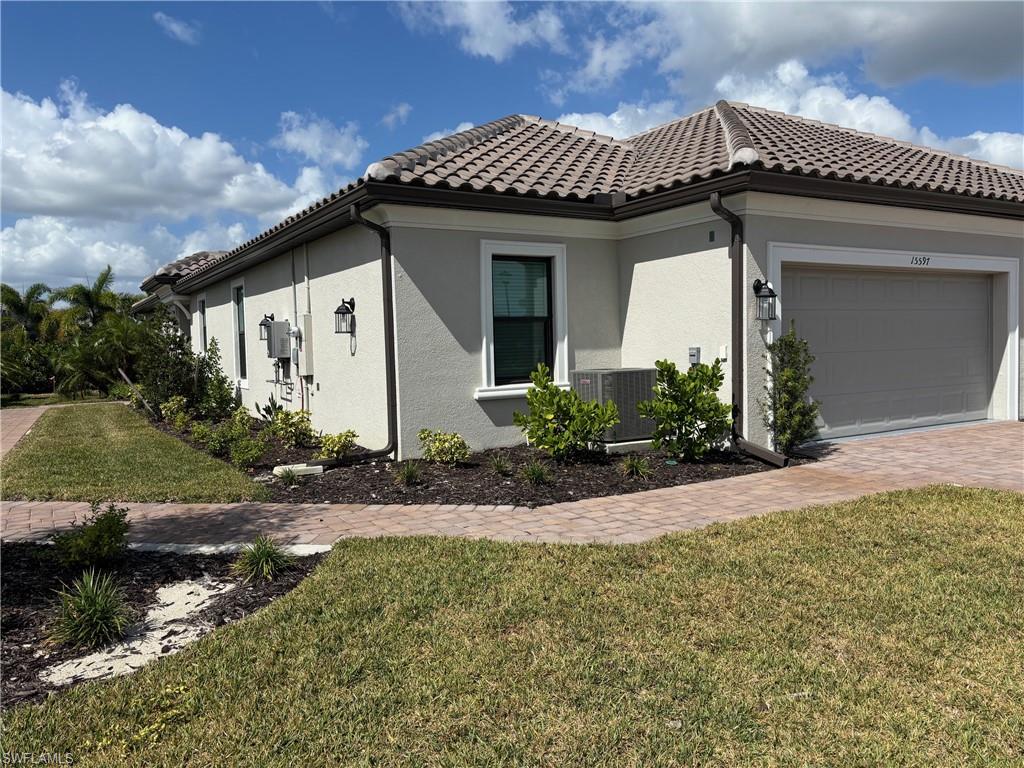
x=760 y=230
x=439 y=329
x=674 y=294
x=346 y=390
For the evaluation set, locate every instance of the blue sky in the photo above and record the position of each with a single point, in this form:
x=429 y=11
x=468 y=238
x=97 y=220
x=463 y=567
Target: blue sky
x=134 y=133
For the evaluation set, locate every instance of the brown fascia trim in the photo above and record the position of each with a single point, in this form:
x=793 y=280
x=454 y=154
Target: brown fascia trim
x=334 y=215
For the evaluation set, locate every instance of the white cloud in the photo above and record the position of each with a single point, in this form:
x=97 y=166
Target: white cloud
x=321 y=141
x=397 y=115
x=177 y=29
x=692 y=43
x=68 y=158
x=627 y=120
x=490 y=29
x=791 y=88
x=446 y=132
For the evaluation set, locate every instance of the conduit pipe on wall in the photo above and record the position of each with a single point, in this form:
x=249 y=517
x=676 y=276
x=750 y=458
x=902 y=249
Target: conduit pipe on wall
x=389 y=341
x=738 y=292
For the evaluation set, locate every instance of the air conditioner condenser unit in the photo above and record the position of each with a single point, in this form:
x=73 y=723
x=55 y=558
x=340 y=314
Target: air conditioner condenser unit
x=626 y=387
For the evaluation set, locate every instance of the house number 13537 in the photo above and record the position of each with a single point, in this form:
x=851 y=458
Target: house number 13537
x=920 y=261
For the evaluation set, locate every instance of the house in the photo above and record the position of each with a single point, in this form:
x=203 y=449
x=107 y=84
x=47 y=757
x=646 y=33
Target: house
x=467 y=260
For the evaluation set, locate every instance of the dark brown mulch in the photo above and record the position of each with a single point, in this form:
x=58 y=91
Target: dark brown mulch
x=28 y=604
x=476 y=482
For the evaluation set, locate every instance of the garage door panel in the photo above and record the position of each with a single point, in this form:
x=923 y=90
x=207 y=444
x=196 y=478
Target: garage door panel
x=893 y=349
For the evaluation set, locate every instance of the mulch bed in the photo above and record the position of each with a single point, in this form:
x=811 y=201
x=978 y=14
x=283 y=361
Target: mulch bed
x=475 y=482
x=28 y=604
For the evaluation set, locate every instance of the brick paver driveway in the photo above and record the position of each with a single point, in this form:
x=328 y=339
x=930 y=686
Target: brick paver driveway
x=15 y=422
x=989 y=455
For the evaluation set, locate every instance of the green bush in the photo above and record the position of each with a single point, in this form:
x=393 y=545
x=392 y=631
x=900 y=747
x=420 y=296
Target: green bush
x=790 y=416
x=560 y=422
x=443 y=447
x=536 y=473
x=407 y=473
x=215 y=394
x=292 y=428
x=636 y=467
x=174 y=407
x=246 y=451
x=689 y=418
x=120 y=391
x=337 y=446
x=92 y=612
x=101 y=540
x=202 y=433
x=264 y=560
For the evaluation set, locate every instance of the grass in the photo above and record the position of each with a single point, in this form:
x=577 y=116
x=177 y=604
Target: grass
x=99 y=452
x=885 y=631
x=47 y=398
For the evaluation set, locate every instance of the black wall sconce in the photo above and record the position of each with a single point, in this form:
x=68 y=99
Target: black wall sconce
x=345 y=317
x=265 y=326
x=765 y=300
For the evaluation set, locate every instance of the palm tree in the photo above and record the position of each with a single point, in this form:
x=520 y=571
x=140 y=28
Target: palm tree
x=87 y=304
x=29 y=309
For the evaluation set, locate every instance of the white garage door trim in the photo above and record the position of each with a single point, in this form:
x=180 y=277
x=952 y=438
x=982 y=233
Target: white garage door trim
x=923 y=261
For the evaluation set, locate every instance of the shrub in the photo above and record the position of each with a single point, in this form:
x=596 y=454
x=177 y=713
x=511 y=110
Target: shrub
x=102 y=539
x=121 y=391
x=636 y=467
x=215 y=394
x=499 y=464
x=246 y=451
x=689 y=419
x=264 y=559
x=789 y=414
x=443 y=447
x=202 y=433
x=407 y=473
x=174 y=407
x=560 y=422
x=92 y=612
x=337 y=446
x=292 y=428
x=536 y=473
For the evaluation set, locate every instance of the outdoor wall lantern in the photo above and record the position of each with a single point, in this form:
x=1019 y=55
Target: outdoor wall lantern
x=265 y=327
x=345 y=317
x=765 y=300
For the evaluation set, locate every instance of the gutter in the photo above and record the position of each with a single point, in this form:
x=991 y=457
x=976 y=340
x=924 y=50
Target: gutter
x=356 y=217
x=738 y=295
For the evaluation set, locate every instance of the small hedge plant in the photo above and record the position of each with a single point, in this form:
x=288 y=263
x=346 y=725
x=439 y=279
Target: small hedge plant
x=560 y=422
x=790 y=416
x=337 y=446
x=101 y=540
x=689 y=419
x=175 y=411
x=263 y=560
x=292 y=428
x=92 y=612
x=443 y=447
x=232 y=439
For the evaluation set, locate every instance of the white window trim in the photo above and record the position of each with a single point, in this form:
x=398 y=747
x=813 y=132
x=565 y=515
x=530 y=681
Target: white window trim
x=203 y=317
x=488 y=390
x=240 y=282
x=780 y=253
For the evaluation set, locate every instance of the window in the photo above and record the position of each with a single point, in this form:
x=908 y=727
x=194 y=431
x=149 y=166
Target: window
x=523 y=332
x=240 y=327
x=202 y=323
x=523 y=316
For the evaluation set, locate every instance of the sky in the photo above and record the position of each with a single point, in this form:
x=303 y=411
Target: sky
x=137 y=133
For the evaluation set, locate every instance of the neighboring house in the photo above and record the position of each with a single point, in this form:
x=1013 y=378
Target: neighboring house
x=525 y=241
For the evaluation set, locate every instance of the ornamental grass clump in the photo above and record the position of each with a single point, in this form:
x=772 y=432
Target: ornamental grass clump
x=689 y=419
x=636 y=467
x=263 y=560
x=560 y=422
x=407 y=473
x=499 y=464
x=92 y=612
x=536 y=473
x=443 y=447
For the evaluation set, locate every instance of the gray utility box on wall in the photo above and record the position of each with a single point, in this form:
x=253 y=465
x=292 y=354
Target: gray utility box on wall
x=626 y=387
x=279 y=341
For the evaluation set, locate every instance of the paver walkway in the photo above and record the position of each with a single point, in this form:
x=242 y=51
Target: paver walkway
x=989 y=455
x=15 y=422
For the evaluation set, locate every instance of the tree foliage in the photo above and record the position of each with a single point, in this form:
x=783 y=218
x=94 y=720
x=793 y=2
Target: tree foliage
x=790 y=415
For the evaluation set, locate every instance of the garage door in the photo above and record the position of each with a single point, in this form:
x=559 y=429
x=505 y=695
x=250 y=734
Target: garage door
x=894 y=349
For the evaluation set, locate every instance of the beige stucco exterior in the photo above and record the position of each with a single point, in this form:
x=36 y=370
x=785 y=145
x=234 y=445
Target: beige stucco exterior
x=636 y=291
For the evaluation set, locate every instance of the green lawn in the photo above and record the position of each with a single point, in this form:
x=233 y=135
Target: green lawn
x=46 y=398
x=886 y=631
x=98 y=452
